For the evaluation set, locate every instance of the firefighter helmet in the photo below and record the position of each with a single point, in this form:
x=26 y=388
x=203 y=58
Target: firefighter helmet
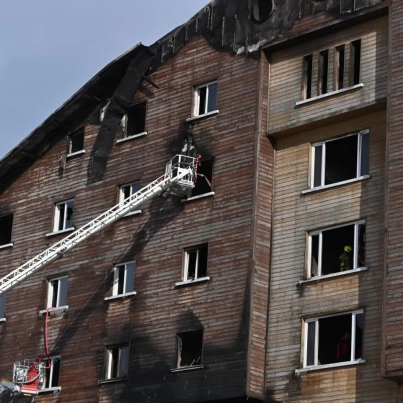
x=348 y=248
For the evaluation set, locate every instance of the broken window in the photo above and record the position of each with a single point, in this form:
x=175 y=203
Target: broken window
x=204 y=179
x=52 y=373
x=127 y=191
x=336 y=249
x=340 y=160
x=64 y=215
x=323 y=71
x=117 y=361
x=57 y=292
x=190 y=348
x=205 y=99
x=76 y=141
x=2 y=305
x=333 y=339
x=339 y=67
x=134 y=122
x=123 y=281
x=195 y=263
x=355 y=62
x=307 y=77
x=6 y=227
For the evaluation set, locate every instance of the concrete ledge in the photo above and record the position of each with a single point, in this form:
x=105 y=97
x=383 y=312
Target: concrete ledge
x=330 y=276
x=205 y=115
x=60 y=310
x=192 y=282
x=60 y=232
x=114 y=380
x=301 y=371
x=120 y=296
x=7 y=245
x=136 y=136
x=209 y=194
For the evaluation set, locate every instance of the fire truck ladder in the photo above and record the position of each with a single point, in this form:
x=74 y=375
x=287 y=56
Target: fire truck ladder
x=179 y=178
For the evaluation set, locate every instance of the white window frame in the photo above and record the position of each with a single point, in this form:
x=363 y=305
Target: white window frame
x=196 y=96
x=186 y=263
x=50 y=292
x=51 y=388
x=320 y=233
x=123 y=349
x=122 y=196
x=57 y=216
x=115 y=287
x=353 y=360
x=322 y=144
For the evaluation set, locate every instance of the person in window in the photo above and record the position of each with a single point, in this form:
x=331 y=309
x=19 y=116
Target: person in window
x=346 y=259
x=343 y=348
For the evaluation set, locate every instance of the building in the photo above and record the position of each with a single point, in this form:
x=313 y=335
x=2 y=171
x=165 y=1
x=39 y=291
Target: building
x=279 y=277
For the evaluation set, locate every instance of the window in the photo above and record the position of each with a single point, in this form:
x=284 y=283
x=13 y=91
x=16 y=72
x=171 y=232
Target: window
x=337 y=249
x=76 y=142
x=64 y=215
x=307 y=77
x=195 y=263
x=123 y=280
x=333 y=339
x=355 y=62
x=6 y=226
x=190 y=349
x=117 y=361
x=2 y=306
x=340 y=159
x=205 y=100
x=128 y=191
x=339 y=67
x=57 y=292
x=204 y=179
x=52 y=373
x=323 y=71
x=134 y=121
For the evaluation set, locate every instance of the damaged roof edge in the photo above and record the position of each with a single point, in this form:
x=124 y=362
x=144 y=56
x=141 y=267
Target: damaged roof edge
x=80 y=93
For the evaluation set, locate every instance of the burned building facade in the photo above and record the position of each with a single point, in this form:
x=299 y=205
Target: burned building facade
x=278 y=277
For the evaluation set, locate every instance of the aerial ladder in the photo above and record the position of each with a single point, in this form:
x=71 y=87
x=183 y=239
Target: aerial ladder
x=179 y=178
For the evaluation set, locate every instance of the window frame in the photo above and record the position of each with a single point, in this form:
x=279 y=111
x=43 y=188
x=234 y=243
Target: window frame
x=2 y=308
x=57 y=216
x=80 y=131
x=52 y=362
x=322 y=144
x=185 y=270
x=51 y=289
x=319 y=232
x=196 y=99
x=122 y=195
x=305 y=323
x=115 y=284
x=125 y=121
x=179 y=348
x=109 y=361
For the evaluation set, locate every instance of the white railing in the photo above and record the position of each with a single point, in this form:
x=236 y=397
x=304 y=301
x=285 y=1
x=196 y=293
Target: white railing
x=163 y=183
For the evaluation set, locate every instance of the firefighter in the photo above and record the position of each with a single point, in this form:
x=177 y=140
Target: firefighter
x=343 y=348
x=345 y=259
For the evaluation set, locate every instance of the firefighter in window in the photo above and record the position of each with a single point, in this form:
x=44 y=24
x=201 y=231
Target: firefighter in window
x=346 y=259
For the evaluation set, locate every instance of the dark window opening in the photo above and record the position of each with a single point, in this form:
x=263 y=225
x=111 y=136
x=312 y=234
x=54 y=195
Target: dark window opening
x=117 y=362
x=338 y=250
x=136 y=120
x=121 y=279
x=6 y=227
x=52 y=373
x=335 y=339
x=204 y=180
x=55 y=286
x=190 y=348
x=340 y=50
x=341 y=160
x=355 y=62
x=263 y=10
x=196 y=263
x=307 y=78
x=323 y=71
x=76 y=141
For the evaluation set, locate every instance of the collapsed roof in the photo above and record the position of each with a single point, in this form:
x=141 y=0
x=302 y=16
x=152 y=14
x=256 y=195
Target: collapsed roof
x=241 y=27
